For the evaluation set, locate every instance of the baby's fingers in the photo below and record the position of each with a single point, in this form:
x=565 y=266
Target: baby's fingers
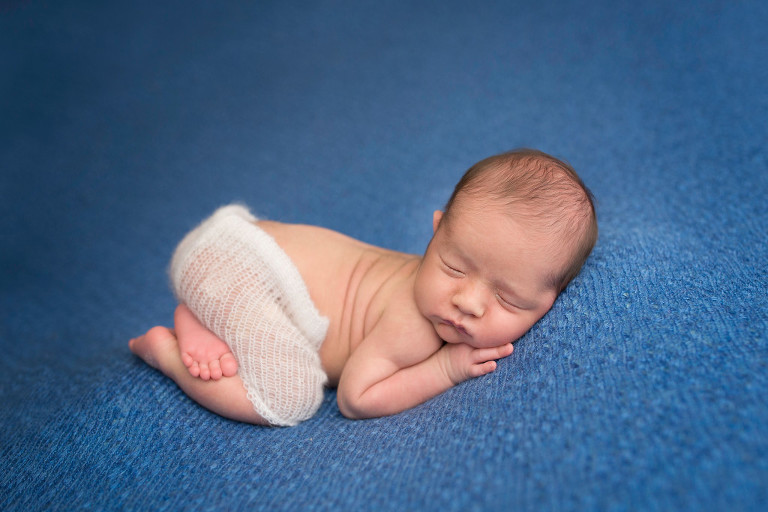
x=489 y=354
x=480 y=369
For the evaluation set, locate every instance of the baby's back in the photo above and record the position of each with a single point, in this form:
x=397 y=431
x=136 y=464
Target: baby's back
x=349 y=281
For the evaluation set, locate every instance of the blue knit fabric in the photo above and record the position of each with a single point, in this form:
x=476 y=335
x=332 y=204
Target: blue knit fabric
x=123 y=124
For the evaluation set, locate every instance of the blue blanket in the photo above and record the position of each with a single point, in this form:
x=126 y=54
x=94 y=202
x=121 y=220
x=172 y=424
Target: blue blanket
x=123 y=124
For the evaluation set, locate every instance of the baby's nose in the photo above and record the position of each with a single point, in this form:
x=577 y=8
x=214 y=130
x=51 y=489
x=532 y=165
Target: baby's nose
x=469 y=300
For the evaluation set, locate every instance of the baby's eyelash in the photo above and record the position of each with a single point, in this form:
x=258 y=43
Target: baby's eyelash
x=505 y=302
x=451 y=269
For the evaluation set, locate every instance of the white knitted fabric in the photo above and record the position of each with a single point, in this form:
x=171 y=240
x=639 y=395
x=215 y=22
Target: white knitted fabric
x=242 y=286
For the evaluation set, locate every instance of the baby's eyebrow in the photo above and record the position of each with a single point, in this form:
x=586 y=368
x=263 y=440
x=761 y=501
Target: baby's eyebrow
x=454 y=250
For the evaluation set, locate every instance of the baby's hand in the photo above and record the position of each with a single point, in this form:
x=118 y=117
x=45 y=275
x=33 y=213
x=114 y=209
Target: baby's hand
x=462 y=362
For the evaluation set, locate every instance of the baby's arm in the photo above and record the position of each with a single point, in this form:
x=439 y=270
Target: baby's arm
x=391 y=371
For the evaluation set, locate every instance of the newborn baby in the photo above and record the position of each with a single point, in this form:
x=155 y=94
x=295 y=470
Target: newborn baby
x=270 y=313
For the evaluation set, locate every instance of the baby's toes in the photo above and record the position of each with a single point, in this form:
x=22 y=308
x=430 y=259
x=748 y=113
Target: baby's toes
x=215 y=369
x=187 y=360
x=194 y=369
x=228 y=365
x=205 y=371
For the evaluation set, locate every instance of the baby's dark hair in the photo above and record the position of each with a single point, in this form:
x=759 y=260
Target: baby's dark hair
x=542 y=191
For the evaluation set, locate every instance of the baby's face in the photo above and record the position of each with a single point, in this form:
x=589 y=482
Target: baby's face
x=484 y=278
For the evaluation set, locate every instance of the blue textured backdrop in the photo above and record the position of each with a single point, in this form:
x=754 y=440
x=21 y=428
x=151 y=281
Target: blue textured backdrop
x=124 y=124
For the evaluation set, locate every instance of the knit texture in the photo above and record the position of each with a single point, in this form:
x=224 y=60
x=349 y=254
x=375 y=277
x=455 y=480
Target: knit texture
x=123 y=124
x=242 y=286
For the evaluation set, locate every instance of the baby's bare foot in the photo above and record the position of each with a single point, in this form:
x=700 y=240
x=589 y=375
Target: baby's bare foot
x=202 y=352
x=206 y=356
x=156 y=344
x=209 y=362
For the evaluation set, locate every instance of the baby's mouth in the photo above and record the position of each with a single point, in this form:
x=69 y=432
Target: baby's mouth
x=458 y=327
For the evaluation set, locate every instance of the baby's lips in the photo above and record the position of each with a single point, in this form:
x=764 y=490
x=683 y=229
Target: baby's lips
x=459 y=328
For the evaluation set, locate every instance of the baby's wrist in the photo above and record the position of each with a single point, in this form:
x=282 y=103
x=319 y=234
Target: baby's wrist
x=445 y=367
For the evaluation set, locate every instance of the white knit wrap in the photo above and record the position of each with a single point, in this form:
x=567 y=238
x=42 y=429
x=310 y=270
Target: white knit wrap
x=242 y=286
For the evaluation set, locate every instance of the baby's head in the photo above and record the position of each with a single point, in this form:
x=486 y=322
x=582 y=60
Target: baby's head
x=516 y=230
x=539 y=192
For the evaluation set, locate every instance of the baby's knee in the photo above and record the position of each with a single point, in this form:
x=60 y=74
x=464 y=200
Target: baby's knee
x=291 y=401
x=302 y=409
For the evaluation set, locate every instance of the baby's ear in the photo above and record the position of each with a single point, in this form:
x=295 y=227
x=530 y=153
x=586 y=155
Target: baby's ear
x=436 y=218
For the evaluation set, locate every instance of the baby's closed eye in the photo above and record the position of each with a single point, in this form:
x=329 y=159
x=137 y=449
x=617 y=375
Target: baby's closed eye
x=506 y=302
x=451 y=270
x=509 y=302
x=513 y=303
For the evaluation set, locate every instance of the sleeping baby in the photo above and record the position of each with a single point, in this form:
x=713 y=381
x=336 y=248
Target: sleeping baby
x=271 y=313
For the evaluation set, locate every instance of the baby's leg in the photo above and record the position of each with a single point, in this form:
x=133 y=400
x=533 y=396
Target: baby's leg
x=227 y=397
x=202 y=352
x=239 y=283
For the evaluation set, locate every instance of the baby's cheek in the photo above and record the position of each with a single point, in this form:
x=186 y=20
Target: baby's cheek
x=511 y=332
